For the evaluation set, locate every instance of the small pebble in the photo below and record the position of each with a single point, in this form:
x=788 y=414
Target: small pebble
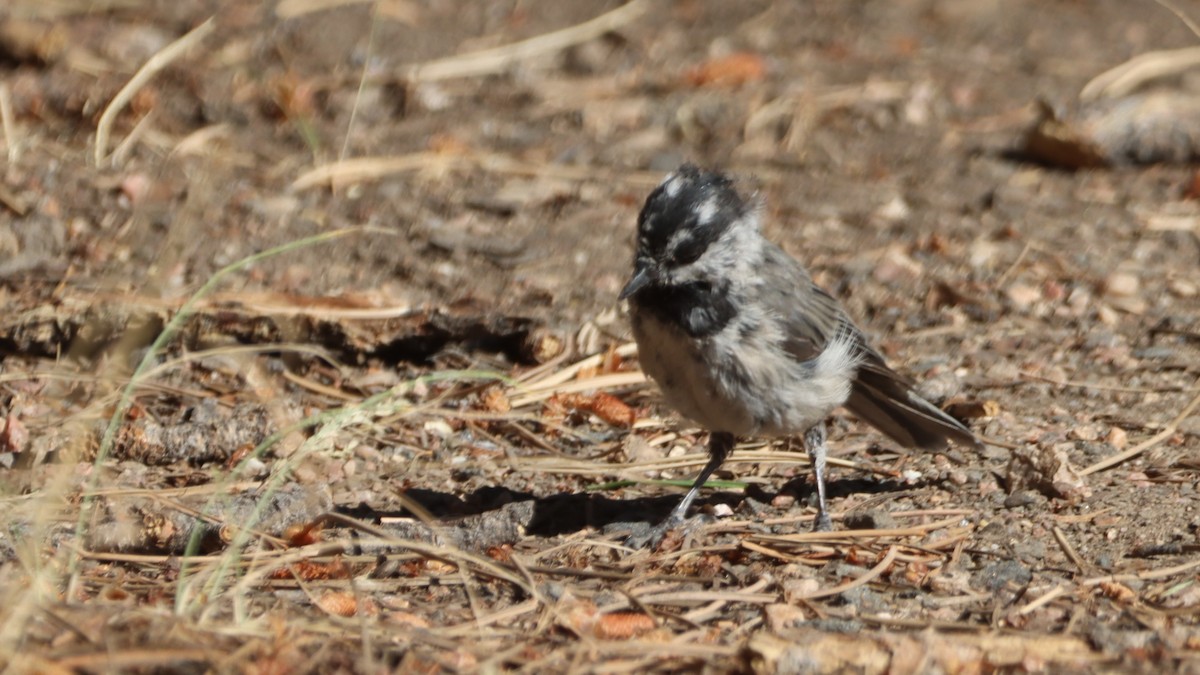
x=1019 y=499
x=1022 y=296
x=870 y=520
x=1117 y=438
x=1121 y=284
x=1000 y=574
x=896 y=266
x=1183 y=288
x=722 y=511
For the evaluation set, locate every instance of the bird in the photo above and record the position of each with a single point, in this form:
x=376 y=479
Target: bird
x=741 y=340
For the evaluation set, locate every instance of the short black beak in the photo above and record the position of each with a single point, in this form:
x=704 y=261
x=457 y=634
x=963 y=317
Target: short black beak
x=641 y=277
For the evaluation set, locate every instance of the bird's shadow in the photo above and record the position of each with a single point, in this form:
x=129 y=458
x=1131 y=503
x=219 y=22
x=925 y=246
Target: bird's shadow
x=568 y=513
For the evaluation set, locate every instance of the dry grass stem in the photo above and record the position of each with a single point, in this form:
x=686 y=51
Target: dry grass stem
x=1125 y=78
x=599 y=383
x=151 y=68
x=348 y=172
x=1168 y=431
x=547 y=378
x=844 y=535
x=590 y=468
x=1181 y=15
x=126 y=146
x=1042 y=600
x=1069 y=550
x=8 y=124
x=495 y=60
x=863 y=580
x=1162 y=573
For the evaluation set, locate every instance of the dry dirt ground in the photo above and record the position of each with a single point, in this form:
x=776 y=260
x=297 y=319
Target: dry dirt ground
x=311 y=359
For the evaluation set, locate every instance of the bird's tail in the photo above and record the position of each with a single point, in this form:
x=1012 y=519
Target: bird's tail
x=886 y=401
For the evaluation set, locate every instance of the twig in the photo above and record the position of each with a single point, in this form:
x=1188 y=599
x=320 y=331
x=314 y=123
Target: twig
x=1099 y=387
x=841 y=535
x=690 y=597
x=1121 y=80
x=1069 y=550
x=367 y=58
x=860 y=581
x=266 y=562
x=473 y=601
x=140 y=128
x=1082 y=517
x=501 y=616
x=590 y=468
x=664 y=560
x=946 y=542
x=318 y=388
x=780 y=555
x=916 y=513
x=1179 y=13
x=609 y=381
x=674 y=650
x=8 y=124
x=921 y=513
x=637 y=603
x=1012 y=268
x=156 y=63
x=955 y=601
x=1148 y=574
x=540 y=379
x=113 y=659
x=706 y=613
x=363 y=169
x=1154 y=440
x=488 y=61
x=925 y=624
x=535 y=439
x=270 y=304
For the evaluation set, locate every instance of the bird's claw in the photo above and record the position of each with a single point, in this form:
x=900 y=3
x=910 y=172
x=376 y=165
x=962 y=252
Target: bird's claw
x=652 y=535
x=823 y=523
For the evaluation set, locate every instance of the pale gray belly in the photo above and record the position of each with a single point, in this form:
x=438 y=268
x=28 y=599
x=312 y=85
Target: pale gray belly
x=688 y=372
x=733 y=386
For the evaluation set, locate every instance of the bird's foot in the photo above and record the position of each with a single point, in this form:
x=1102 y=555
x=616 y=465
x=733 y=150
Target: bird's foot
x=646 y=536
x=822 y=523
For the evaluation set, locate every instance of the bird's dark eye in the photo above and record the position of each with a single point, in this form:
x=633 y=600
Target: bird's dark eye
x=689 y=251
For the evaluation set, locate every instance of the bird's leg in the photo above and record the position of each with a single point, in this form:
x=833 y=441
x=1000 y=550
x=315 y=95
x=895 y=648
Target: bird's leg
x=814 y=445
x=719 y=446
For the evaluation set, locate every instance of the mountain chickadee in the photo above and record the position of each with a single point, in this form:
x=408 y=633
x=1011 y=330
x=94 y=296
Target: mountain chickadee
x=741 y=340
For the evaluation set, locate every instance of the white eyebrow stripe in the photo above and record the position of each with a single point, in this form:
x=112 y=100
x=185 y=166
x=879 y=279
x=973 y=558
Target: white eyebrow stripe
x=677 y=237
x=707 y=211
x=671 y=185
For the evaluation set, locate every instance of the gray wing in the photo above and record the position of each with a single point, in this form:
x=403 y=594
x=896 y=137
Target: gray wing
x=810 y=316
x=879 y=395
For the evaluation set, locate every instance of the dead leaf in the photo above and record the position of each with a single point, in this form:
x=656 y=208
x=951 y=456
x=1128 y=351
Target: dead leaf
x=607 y=407
x=341 y=603
x=733 y=70
x=1047 y=470
x=14 y=436
x=495 y=400
x=1118 y=591
x=622 y=625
